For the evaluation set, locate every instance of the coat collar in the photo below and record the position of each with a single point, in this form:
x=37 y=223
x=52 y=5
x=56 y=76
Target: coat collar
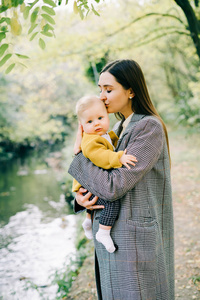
x=135 y=118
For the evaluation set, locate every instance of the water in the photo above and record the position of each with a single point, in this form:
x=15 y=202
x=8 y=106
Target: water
x=36 y=230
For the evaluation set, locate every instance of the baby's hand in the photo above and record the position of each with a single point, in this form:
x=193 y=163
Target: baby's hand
x=127 y=159
x=79 y=135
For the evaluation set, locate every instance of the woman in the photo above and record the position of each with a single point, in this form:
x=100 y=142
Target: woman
x=143 y=266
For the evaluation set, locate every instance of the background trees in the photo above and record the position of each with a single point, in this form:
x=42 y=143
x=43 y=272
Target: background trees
x=37 y=101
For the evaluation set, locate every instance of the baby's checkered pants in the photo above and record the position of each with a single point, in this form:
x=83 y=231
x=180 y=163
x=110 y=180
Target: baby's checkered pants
x=110 y=212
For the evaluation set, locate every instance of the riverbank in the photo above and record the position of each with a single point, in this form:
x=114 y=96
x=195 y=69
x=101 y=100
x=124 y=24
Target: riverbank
x=186 y=194
x=37 y=228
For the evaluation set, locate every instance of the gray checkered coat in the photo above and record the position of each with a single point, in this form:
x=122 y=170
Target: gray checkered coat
x=143 y=266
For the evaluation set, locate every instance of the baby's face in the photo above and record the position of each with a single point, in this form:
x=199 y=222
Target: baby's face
x=95 y=119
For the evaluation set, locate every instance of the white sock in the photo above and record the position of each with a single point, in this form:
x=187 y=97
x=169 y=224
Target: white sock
x=87 y=226
x=103 y=236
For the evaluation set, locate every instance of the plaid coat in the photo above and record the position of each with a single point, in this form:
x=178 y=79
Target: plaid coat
x=143 y=266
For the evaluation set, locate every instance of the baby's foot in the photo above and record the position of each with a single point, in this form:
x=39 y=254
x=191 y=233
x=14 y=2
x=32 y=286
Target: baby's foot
x=87 y=226
x=103 y=236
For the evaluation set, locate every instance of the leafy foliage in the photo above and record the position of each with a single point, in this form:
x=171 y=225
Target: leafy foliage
x=37 y=107
x=94 y=68
x=40 y=17
x=189 y=108
x=65 y=277
x=37 y=103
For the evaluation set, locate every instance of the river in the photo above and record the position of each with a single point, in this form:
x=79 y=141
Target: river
x=36 y=229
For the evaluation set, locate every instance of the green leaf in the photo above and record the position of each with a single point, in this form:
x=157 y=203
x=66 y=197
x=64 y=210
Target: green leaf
x=81 y=13
x=66 y=2
x=32 y=4
x=42 y=44
x=75 y=7
x=2 y=36
x=3 y=48
x=48 y=18
x=34 y=15
x=86 y=6
x=33 y=26
x=7 y=20
x=47 y=33
x=49 y=10
x=4 y=60
x=23 y=65
x=47 y=27
x=4 y=28
x=9 y=69
x=33 y=36
x=94 y=11
x=50 y=2
x=22 y=56
x=26 y=12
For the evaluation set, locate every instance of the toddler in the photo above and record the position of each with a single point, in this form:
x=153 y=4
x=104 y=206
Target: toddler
x=98 y=145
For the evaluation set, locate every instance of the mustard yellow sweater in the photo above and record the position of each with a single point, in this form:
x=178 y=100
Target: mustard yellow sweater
x=100 y=151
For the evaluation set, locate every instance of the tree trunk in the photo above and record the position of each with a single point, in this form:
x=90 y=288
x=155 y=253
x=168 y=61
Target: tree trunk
x=193 y=22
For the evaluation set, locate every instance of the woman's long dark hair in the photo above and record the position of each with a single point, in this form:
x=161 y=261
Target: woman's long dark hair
x=129 y=74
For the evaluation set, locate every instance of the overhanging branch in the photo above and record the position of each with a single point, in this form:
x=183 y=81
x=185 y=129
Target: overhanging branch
x=143 y=17
x=168 y=28
x=160 y=36
x=193 y=22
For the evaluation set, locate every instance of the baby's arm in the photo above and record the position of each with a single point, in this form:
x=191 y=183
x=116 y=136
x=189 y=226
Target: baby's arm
x=79 y=136
x=96 y=150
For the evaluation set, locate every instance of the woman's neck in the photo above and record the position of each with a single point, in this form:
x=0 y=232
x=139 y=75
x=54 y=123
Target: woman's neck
x=127 y=114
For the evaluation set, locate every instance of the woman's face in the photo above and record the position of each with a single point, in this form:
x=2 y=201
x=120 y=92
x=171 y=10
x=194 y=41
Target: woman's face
x=115 y=97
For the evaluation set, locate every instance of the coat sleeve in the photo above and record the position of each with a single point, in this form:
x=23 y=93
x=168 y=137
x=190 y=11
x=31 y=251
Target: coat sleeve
x=100 y=155
x=145 y=142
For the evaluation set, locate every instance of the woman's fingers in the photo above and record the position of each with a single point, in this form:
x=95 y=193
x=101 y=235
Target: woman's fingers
x=84 y=200
x=87 y=196
x=94 y=200
x=82 y=190
x=95 y=207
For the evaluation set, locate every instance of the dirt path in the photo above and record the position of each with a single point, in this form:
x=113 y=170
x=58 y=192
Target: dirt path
x=186 y=196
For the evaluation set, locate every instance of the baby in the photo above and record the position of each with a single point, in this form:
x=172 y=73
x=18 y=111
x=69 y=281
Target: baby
x=98 y=145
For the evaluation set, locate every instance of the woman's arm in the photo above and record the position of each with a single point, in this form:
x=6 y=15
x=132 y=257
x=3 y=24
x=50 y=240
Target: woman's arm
x=145 y=142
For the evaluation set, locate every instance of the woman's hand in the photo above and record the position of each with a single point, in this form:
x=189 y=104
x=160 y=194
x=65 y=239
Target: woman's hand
x=84 y=201
x=79 y=136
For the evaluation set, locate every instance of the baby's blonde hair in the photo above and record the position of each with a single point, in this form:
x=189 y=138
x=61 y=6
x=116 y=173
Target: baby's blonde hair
x=84 y=103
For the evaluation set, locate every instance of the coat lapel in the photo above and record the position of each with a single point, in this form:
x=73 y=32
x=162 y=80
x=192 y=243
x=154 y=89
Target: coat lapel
x=135 y=118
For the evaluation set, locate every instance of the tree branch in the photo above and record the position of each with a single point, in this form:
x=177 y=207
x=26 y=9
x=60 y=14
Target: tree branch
x=177 y=30
x=193 y=22
x=145 y=16
x=137 y=43
x=160 y=36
